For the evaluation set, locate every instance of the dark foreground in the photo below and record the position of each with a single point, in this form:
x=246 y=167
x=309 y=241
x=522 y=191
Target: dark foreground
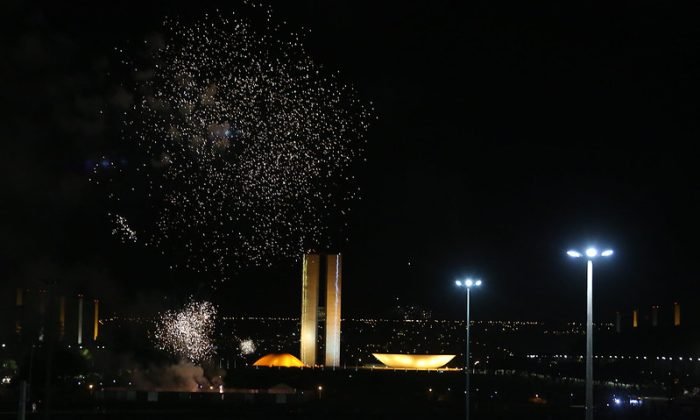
x=349 y=394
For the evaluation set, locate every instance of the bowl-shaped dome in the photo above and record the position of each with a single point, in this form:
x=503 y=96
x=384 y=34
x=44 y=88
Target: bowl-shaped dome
x=279 y=360
x=414 y=361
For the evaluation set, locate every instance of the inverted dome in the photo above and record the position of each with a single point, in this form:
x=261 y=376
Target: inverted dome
x=279 y=360
x=414 y=361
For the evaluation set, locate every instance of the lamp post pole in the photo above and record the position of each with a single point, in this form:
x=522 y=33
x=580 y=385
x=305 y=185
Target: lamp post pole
x=590 y=253
x=467 y=284
x=589 y=342
x=466 y=358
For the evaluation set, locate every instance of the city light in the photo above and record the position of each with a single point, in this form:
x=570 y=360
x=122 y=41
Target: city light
x=590 y=253
x=468 y=283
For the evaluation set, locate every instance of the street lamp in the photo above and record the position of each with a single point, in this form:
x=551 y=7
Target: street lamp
x=590 y=254
x=467 y=284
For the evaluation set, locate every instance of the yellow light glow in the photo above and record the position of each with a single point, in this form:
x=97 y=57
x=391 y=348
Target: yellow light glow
x=414 y=361
x=279 y=360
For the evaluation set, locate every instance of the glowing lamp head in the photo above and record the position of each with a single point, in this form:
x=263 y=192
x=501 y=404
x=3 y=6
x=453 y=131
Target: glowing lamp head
x=591 y=252
x=573 y=254
x=607 y=253
x=468 y=283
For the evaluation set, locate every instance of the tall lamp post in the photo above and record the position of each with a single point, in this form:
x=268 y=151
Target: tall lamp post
x=467 y=284
x=590 y=254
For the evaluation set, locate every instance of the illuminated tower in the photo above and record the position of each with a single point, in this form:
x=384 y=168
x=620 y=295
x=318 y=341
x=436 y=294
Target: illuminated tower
x=310 y=308
x=80 y=319
x=95 y=319
x=333 y=288
x=676 y=314
x=635 y=321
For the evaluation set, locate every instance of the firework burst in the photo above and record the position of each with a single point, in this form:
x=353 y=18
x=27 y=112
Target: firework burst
x=247 y=346
x=122 y=230
x=187 y=333
x=246 y=146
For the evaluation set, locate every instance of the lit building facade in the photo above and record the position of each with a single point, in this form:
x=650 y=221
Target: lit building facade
x=333 y=288
x=309 y=308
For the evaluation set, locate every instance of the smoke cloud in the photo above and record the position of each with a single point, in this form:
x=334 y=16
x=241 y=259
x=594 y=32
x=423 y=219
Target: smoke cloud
x=183 y=376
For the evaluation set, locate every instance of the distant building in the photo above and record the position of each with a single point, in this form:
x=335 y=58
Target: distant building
x=279 y=360
x=38 y=312
x=414 y=361
x=310 y=310
x=655 y=317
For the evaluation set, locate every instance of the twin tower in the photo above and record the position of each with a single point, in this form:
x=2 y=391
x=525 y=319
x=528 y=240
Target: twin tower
x=312 y=313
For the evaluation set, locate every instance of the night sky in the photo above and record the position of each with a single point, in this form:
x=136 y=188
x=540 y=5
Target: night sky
x=506 y=134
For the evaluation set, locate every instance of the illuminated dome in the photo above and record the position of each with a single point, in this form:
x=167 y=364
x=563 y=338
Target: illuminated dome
x=414 y=361
x=279 y=360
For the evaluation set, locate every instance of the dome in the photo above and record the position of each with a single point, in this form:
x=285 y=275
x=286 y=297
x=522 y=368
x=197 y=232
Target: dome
x=279 y=360
x=414 y=361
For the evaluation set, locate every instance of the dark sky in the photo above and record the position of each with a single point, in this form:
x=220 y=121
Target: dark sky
x=507 y=133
